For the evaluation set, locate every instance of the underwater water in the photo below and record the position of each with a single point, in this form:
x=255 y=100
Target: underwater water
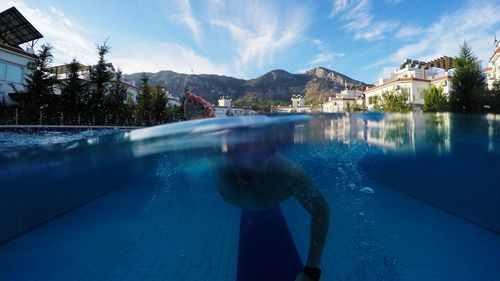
x=397 y=196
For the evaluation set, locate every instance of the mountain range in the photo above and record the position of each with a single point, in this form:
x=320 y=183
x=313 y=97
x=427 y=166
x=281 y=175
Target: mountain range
x=273 y=88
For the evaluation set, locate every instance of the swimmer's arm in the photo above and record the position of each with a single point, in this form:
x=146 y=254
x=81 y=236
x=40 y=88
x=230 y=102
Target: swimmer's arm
x=315 y=204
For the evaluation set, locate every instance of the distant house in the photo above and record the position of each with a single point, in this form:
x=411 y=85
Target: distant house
x=344 y=100
x=62 y=72
x=15 y=62
x=226 y=109
x=412 y=78
x=298 y=106
x=492 y=71
x=173 y=100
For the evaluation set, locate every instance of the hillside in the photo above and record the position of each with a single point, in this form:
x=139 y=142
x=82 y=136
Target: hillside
x=274 y=87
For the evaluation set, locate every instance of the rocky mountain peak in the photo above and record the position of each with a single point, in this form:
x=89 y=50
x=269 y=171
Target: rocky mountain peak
x=278 y=74
x=322 y=72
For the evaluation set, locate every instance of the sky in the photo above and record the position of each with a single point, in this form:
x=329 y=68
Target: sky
x=364 y=39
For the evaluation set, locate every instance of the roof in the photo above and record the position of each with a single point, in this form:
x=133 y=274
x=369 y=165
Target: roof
x=63 y=69
x=497 y=50
x=489 y=68
x=16 y=50
x=443 y=62
x=399 y=80
x=131 y=86
x=15 y=29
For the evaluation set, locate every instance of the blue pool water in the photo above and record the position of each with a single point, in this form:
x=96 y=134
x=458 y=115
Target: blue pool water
x=410 y=197
x=11 y=137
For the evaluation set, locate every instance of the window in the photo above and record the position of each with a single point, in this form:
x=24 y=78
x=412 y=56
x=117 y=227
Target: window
x=14 y=73
x=3 y=70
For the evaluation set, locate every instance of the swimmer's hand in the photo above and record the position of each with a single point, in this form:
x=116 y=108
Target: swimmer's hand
x=309 y=274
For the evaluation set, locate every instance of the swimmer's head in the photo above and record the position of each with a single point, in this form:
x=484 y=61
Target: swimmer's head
x=195 y=107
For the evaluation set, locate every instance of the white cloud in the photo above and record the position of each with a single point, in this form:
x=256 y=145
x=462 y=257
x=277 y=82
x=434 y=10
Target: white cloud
x=325 y=57
x=185 y=15
x=65 y=35
x=338 y=6
x=317 y=42
x=394 y=2
x=409 y=32
x=476 y=23
x=156 y=56
x=259 y=30
x=359 y=19
x=70 y=39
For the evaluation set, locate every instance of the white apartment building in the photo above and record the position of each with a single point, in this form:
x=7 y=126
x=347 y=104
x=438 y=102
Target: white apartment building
x=15 y=62
x=412 y=78
x=492 y=71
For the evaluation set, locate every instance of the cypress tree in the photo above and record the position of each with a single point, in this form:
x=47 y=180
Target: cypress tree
x=158 y=105
x=100 y=76
x=144 y=103
x=36 y=105
x=73 y=94
x=115 y=101
x=468 y=83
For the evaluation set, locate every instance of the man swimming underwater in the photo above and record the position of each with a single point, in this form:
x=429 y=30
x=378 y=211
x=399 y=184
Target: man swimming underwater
x=253 y=176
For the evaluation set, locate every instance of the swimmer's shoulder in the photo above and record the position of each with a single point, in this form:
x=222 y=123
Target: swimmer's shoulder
x=295 y=174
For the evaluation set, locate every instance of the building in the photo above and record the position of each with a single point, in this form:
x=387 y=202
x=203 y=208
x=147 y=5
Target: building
x=225 y=108
x=492 y=71
x=225 y=101
x=173 y=100
x=344 y=100
x=412 y=78
x=15 y=62
x=62 y=72
x=298 y=106
x=298 y=101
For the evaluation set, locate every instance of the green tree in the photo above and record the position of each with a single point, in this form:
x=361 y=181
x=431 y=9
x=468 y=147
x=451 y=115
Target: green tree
x=73 y=95
x=158 y=105
x=375 y=102
x=115 y=100
x=357 y=108
x=130 y=112
x=435 y=100
x=395 y=102
x=175 y=113
x=144 y=102
x=100 y=76
x=468 y=83
x=37 y=104
x=493 y=98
